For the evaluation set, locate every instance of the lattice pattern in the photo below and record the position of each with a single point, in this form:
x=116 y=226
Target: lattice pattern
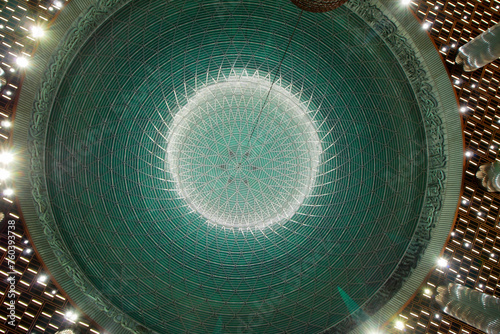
x=453 y=22
x=239 y=162
x=473 y=250
x=40 y=306
x=123 y=220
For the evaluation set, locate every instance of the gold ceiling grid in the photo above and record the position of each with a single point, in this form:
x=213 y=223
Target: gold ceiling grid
x=40 y=307
x=473 y=249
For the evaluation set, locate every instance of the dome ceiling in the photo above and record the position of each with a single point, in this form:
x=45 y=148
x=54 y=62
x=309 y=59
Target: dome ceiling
x=201 y=181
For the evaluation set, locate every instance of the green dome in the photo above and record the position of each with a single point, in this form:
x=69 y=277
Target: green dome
x=195 y=194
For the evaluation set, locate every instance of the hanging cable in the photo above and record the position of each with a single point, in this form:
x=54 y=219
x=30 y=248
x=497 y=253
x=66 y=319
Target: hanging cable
x=275 y=77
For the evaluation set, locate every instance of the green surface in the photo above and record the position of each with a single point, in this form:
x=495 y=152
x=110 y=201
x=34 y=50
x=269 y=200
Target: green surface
x=122 y=216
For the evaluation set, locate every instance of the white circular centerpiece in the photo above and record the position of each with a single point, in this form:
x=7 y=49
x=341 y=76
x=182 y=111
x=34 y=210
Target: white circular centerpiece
x=242 y=155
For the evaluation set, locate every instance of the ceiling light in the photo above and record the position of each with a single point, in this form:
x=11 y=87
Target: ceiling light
x=437 y=316
x=463 y=109
x=58 y=4
x=426 y=25
x=405 y=2
x=22 y=62
x=399 y=325
x=6 y=157
x=428 y=292
x=468 y=154
x=8 y=192
x=37 y=31
x=28 y=250
x=464 y=202
x=42 y=278
x=441 y=262
x=473 y=86
x=6 y=124
x=54 y=292
x=4 y=174
x=70 y=315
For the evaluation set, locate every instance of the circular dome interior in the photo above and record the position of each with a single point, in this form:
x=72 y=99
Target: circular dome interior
x=205 y=181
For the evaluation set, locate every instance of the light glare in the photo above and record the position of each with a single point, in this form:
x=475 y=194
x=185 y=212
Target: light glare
x=6 y=157
x=70 y=315
x=22 y=62
x=6 y=124
x=37 y=31
x=8 y=192
x=4 y=174
x=442 y=262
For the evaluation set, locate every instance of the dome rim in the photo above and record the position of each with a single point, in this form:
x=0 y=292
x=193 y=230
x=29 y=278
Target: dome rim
x=43 y=234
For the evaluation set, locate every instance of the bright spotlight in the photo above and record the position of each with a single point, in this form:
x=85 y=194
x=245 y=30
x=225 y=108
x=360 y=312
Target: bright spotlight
x=6 y=124
x=4 y=174
x=70 y=315
x=442 y=262
x=6 y=157
x=22 y=62
x=8 y=192
x=399 y=325
x=37 y=31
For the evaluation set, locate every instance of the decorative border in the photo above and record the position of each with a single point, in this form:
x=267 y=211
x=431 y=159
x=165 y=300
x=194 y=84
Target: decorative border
x=98 y=12
x=437 y=160
x=74 y=39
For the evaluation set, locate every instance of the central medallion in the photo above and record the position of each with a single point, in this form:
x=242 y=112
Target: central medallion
x=244 y=155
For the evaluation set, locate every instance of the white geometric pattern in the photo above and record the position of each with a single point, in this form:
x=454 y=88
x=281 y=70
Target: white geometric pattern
x=242 y=161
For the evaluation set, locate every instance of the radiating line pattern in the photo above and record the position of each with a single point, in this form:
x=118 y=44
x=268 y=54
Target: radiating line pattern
x=142 y=245
x=235 y=179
